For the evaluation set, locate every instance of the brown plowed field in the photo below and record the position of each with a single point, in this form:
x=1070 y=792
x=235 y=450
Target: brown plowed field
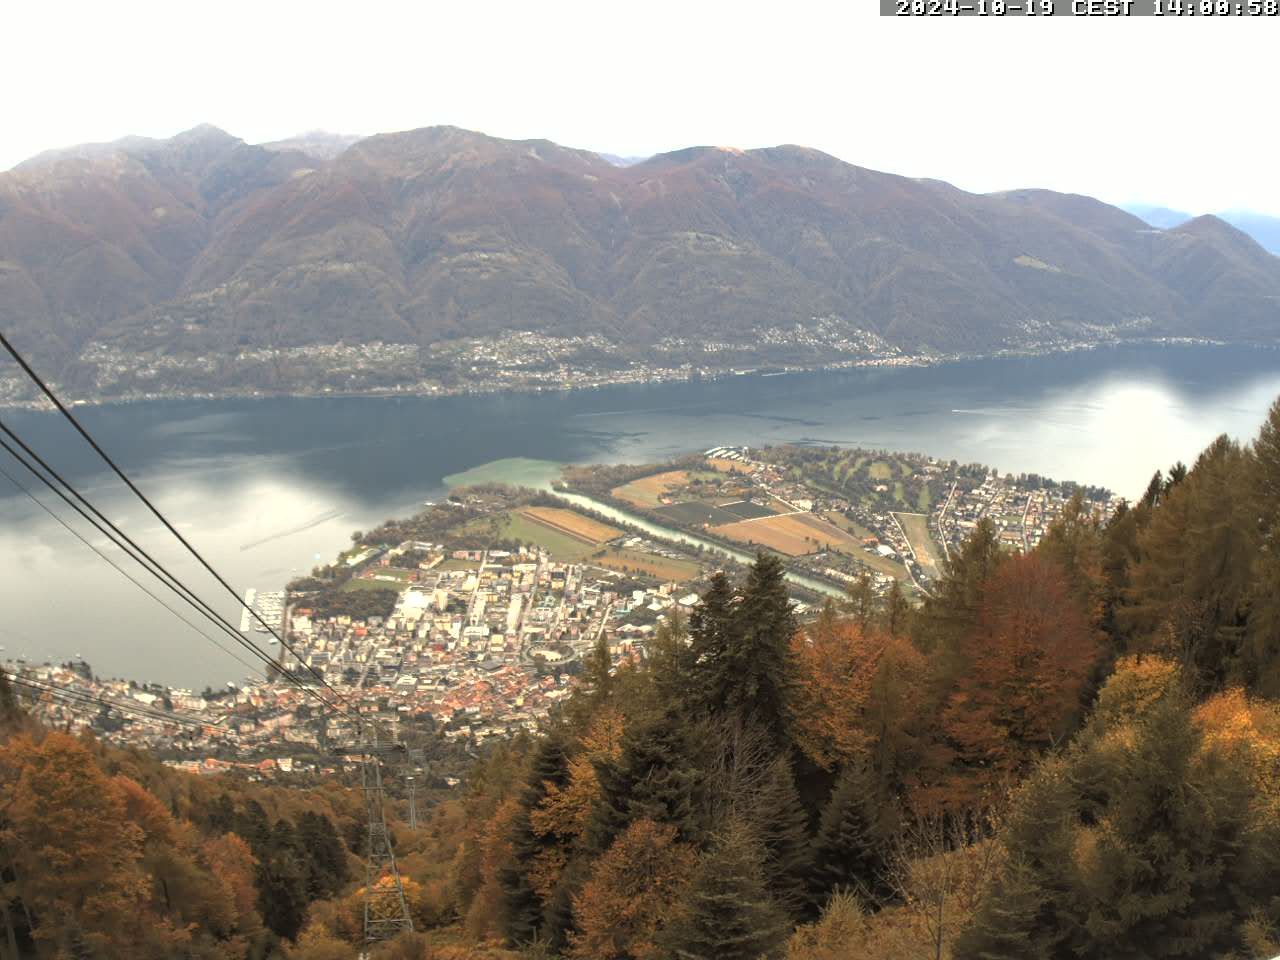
x=573 y=524
x=793 y=534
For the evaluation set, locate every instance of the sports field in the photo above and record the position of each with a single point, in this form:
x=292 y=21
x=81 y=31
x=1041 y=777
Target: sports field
x=793 y=534
x=572 y=523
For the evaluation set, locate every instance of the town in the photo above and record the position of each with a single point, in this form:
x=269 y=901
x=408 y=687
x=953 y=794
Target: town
x=470 y=621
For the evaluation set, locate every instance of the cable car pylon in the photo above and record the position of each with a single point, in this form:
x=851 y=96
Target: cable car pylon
x=386 y=913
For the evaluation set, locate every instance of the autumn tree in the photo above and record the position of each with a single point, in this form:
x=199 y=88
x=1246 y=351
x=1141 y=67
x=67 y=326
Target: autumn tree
x=75 y=855
x=1026 y=663
x=1190 y=592
x=631 y=894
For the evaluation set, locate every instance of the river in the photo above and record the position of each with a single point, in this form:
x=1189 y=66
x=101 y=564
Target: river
x=267 y=488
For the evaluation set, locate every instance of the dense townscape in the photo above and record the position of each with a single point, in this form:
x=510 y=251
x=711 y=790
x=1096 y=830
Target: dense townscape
x=480 y=633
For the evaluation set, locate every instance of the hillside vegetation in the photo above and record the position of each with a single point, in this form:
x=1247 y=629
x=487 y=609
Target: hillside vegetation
x=1064 y=753
x=202 y=262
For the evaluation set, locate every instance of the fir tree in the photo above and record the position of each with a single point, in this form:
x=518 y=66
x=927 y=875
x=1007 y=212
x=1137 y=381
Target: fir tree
x=727 y=911
x=897 y=611
x=743 y=649
x=654 y=778
x=710 y=630
x=10 y=711
x=522 y=909
x=848 y=851
x=781 y=824
x=282 y=882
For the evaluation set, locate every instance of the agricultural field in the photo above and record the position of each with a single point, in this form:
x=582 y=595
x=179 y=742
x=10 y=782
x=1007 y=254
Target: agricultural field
x=929 y=555
x=649 y=564
x=646 y=491
x=692 y=513
x=747 y=509
x=516 y=526
x=572 y=523
x=794 y=534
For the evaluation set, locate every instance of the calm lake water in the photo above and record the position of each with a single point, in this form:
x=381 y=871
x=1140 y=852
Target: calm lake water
x=268 y=488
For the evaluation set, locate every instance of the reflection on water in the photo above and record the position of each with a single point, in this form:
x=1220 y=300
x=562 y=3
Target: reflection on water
x=268 y=488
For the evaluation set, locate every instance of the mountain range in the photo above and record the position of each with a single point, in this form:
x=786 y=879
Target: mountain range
x=197 y=254
x=1264 y=229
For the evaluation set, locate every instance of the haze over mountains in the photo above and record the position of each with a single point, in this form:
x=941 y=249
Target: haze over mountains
x=186 y=254
x=1265 y=230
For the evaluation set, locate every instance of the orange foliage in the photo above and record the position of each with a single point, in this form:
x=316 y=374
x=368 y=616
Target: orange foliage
x=565 y=812
x=631 y=893
x=1025 y=665
x=75 y=854
x=834 y=670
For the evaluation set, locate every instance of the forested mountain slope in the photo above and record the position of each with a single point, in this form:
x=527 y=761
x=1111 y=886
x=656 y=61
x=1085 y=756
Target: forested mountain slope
x=203 y=245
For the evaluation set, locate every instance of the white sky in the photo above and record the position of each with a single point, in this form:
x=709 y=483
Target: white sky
x=1172 y=111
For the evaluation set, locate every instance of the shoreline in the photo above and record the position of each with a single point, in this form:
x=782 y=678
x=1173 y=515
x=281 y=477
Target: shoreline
x=693 y=375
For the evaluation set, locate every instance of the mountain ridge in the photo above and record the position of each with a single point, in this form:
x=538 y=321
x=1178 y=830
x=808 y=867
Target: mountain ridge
x=206 y=246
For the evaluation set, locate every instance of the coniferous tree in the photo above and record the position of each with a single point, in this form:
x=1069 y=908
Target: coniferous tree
x=654 y=778
x=782 y=826
x=282 y=882
x=10 y=712
x=222 y=814
x=727 y=912
x=861 y=601
x=522 y=908
x=897 y=611
x=749 y=677
x=327 y=868
x=849 y=849
x=945 y=619
x=711 y=626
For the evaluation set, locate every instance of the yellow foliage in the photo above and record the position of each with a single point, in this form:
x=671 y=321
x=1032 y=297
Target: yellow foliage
x=1136 y=685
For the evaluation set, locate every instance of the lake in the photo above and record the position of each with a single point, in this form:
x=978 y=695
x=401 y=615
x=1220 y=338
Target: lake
x=267 y=488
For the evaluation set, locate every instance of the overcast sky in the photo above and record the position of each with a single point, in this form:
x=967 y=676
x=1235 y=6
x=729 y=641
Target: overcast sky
x=1172 y=111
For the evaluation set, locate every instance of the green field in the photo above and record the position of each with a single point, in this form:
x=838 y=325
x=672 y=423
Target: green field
x=636 y=561
x=559 y=545
x=880 y=470
x=927 y=552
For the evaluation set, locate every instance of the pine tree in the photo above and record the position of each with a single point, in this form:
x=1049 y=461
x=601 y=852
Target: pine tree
x=10 y=711
x=861 y=601
x=848 y=851
x=897 y=611
x=282 y=882
x=727 y=912
x=1159 y=877
x=710 y=629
